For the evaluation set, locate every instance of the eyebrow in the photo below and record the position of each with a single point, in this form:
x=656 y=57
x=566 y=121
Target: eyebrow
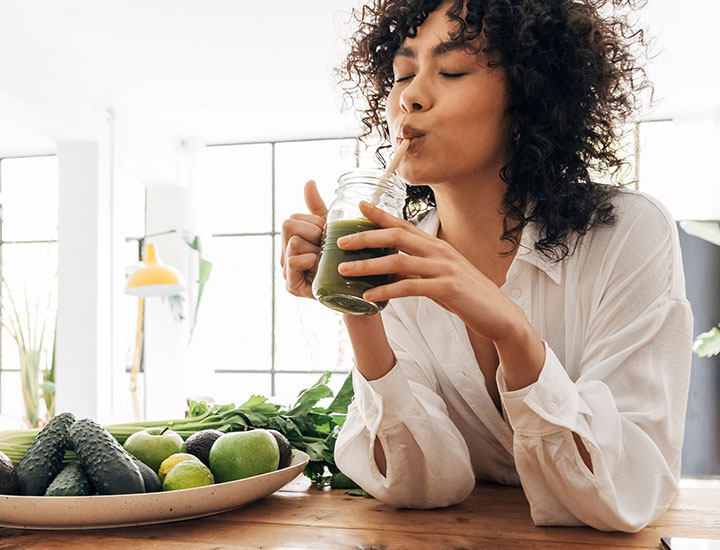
x=439 y=49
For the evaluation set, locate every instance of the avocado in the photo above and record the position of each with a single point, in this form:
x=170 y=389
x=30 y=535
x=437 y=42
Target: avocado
x=285 y=449
x=8 y=476
x=110 y=468
x=72 y=481
x=44 y=458
x=199 y=444
x=150 y=478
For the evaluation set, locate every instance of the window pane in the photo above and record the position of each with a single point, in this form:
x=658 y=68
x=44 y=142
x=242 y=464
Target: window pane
x=235 y=191
x=29 y=299
x=308 y=335
x=234 y=322
x=295 y=163
x=29 y=307
x=11 y=395
x=678 y=165
x=29 y=198
x=367 y=149
x=237 y=388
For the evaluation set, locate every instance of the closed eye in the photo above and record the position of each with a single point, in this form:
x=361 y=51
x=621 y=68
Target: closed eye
x=404 y=78
x=453 y=75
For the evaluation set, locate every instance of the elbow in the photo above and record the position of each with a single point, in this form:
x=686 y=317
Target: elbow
x=425 y=493
x=413 y=486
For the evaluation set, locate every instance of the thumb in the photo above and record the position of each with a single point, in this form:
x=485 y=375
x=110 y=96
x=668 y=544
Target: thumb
x=313 y=200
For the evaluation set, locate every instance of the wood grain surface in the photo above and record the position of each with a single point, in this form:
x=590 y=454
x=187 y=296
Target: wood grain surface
x=301 y=517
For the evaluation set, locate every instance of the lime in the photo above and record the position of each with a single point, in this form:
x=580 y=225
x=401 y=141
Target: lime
x=173 y=460
x=188 y=474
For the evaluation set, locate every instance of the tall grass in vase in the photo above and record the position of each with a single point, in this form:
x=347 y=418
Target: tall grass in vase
x=31 y=331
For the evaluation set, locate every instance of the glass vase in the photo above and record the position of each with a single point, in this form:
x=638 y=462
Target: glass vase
x=30 y=378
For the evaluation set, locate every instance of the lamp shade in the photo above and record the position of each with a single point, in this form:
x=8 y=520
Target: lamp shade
x=154 y=278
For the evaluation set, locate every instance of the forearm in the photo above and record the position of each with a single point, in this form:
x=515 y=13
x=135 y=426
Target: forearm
x=373 y=355
x=522 y=356
x=521 y=353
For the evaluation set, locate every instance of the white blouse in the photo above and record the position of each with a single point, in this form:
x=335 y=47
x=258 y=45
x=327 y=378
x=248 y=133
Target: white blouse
x=617 y=330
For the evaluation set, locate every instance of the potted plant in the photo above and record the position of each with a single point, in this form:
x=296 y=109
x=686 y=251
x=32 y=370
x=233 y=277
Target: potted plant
x=31 y=331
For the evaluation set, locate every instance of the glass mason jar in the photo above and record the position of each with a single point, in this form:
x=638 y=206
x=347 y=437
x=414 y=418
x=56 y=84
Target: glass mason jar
x=386 y=191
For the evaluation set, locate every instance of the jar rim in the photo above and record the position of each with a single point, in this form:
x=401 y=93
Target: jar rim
x=379 y=177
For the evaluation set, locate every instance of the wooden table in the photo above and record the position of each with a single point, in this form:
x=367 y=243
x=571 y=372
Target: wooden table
x=300 y=517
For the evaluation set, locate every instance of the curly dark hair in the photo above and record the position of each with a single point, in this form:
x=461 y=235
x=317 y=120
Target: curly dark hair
x=573 y=76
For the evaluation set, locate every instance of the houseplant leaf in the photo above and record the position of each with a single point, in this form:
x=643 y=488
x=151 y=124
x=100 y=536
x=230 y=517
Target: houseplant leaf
x=709 y=231
x=707 y=344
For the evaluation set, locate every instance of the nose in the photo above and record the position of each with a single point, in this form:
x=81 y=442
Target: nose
x=415 y=96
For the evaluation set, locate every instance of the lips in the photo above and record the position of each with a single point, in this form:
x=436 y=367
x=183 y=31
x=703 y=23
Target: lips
x=415 y=135
x=410 y=132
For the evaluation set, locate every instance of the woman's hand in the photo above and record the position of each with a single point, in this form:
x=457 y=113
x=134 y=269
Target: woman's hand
x=431 y=267
x=301 y=234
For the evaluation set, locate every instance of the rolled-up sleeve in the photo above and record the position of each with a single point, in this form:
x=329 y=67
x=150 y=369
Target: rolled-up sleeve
x=427 y=460
x=628 y=402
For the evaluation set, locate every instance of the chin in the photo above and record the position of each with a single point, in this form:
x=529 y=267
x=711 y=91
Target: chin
x=421 y=175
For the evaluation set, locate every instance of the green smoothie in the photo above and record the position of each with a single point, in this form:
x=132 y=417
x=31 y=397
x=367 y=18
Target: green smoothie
x=345 y=293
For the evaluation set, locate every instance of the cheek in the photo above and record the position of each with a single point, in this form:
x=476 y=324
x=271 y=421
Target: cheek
x=392 y=110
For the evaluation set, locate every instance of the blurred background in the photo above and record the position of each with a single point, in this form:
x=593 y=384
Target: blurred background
x=193 y=126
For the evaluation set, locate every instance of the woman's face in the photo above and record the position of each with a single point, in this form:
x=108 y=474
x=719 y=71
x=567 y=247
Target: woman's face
x=451 y=103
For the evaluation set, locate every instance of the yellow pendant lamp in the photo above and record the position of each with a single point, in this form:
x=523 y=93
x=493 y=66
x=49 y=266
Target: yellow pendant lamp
x=154 y=278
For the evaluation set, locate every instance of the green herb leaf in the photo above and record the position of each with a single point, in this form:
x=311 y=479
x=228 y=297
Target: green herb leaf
x=309 y=397
x=197 y=408
x=342 y=400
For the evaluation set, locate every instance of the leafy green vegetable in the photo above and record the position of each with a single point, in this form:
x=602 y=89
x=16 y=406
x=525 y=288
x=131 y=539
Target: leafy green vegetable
x=307 y=426
x=358 y=492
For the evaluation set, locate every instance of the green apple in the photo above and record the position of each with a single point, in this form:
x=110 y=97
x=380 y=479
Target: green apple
x=238 y=455
x=153 y=445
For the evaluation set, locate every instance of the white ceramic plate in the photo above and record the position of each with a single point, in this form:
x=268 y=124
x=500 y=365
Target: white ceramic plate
x=143 y=509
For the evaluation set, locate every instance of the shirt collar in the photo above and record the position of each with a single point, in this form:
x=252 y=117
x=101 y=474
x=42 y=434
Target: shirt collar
x=429 y=221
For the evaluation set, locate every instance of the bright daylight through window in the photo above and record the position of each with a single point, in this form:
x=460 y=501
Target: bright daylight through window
x=252 y=337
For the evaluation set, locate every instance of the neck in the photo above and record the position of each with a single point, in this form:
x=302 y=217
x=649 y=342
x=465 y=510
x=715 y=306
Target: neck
x=471 y=221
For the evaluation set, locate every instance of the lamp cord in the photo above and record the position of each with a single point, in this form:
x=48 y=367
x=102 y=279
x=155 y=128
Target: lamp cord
x=136 y=359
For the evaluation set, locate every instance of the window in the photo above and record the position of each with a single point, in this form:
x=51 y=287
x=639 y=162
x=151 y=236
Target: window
x=28 y=264
x=251 y=334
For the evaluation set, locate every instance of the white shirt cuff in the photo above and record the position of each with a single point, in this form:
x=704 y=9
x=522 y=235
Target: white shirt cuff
x=545 y=406
x=389 y=398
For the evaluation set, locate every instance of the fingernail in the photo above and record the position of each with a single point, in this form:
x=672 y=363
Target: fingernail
x=342 y=240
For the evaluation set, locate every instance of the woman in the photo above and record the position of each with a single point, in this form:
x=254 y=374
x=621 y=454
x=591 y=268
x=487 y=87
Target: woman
x=537 y=332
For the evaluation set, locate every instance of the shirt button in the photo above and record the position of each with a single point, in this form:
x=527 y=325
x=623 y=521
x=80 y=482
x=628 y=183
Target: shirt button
x=516 y=293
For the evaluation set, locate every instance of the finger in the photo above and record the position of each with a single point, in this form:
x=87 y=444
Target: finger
x=313 y=200
x=399 y=289
x=407 y=266
x=305 y=229
x=384 y=219
x=297 y=245
x=301 y=263
x=298 y=274
x=395 y=237
x=310 y=218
